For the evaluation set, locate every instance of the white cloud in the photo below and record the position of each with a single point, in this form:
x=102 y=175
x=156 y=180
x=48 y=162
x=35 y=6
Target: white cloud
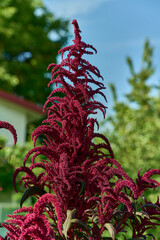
x=72 y=8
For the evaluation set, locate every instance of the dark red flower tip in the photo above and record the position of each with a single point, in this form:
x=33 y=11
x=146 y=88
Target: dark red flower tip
x=8 y=126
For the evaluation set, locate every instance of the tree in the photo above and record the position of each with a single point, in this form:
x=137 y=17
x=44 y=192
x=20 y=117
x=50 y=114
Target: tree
x=27 y=45
x=134 y=126
x=26 y=48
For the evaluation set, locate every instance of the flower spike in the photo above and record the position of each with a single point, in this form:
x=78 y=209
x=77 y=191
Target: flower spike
x=8 y=126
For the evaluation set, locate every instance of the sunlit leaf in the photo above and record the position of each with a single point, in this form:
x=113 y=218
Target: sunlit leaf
x=142 y=214
x=68 y=221
x=111 y=230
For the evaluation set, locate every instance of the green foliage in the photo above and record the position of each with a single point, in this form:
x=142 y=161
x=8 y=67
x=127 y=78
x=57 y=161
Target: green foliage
x=10 y=158
x=134 y=128
x=27 y=46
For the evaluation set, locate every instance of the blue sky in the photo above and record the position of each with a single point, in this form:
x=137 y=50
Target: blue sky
x=117 y=29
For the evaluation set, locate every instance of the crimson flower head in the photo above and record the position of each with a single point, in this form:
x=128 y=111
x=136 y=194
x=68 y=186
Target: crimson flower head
x=68 y=131
x=9 y=127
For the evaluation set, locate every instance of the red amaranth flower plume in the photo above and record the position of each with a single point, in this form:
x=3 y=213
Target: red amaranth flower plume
x=35 y=224
x=81 y=190
x=8 y=126
x=145 y=182
x=69 y=129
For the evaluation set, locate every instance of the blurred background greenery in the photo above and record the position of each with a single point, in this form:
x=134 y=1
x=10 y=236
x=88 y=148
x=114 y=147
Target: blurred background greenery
x=30 y=38
x=133 y=129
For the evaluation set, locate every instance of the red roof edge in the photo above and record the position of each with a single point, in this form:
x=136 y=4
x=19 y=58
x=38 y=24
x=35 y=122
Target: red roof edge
x=21 y=101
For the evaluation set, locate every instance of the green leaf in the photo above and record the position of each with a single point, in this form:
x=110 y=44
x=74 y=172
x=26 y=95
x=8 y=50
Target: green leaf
x=30 y=192
x=111 y=230
x=68 y=221
x=136 y=239
x=82 y=188
x=151 y=205
x=75 y=220
x=95 y=218
x=149 y=234
x=143 y=214
x=81 y=235
x=107 y=238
